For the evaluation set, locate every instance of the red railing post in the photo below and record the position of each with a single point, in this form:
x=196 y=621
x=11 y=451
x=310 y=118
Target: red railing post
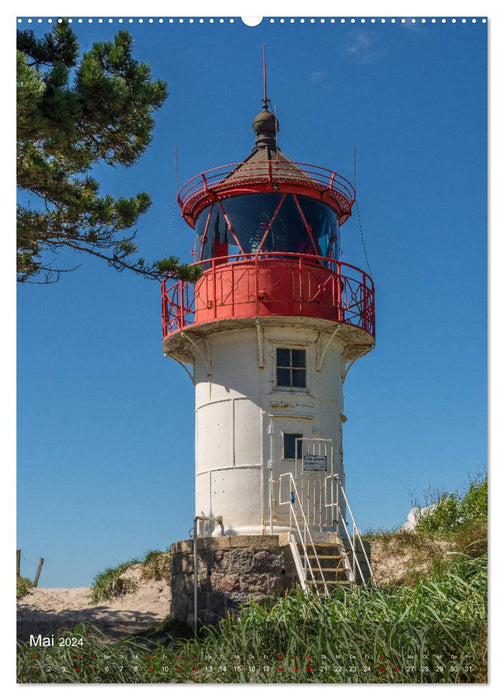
x=300 y=273
x=214 y=288
x=163 y=308
x=256 y=286
x=181 y=318
x=232 y=291
x=364 y=325
x=340 y=284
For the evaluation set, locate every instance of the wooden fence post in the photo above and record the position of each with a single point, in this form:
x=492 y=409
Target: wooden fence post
x=37 y=575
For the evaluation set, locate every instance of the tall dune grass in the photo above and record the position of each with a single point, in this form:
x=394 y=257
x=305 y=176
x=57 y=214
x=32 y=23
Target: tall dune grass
x=432 y=633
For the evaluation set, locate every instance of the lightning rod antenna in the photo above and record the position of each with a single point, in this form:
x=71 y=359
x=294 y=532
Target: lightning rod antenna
x=265 y=94
x=355 y=169
x=172 y=217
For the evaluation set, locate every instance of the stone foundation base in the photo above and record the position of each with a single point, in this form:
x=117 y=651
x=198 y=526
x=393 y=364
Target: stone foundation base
x=232 y=571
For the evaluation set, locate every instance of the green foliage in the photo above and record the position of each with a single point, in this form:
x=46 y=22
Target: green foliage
x=452 y=512
x=443 y=516
x=114 y=581
x=71 y=115
x=157 y=566
x=389 y=636
x=475 y=502
x=111 y=583
x=23 y=585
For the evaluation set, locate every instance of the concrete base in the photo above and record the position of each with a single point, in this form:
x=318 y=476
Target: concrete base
x=232 y=571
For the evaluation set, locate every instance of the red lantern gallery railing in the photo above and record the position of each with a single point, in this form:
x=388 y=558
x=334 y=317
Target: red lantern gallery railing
x=264 y=175
x=270 y=284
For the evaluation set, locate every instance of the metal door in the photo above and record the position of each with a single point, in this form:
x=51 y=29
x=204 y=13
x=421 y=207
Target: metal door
x=313 y=472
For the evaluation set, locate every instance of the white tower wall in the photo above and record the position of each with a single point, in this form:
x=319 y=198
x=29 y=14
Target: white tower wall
x=242 y=416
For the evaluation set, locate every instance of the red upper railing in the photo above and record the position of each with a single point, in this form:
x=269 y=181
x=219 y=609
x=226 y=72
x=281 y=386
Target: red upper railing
x=223 y=180
x=271 y=284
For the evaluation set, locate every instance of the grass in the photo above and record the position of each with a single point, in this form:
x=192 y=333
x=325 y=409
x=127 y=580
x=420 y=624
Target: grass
x=111 y=582
x=23 y=585
x=433 y=632
x=456 y=525
x=114 y=582
x=429 y=625
x=157 y=565
x=450 y=512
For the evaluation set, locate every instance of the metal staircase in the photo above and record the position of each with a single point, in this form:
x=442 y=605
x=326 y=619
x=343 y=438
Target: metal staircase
x=326 y=552
x=334 y=565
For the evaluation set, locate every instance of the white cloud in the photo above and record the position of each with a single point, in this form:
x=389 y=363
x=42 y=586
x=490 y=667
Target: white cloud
x=362 y=49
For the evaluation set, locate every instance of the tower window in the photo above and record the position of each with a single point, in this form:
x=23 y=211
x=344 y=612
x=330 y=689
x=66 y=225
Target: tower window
x=289 y=446
x=291 y=367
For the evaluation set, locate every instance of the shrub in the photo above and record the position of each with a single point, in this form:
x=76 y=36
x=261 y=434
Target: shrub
x=451 y=512
x=157 y=566
x=23 y=585
x=110 y=583
x=114 y=581
x=475 y=502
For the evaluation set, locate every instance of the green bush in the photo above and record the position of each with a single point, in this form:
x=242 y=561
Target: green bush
x=110 y=583
x=23 y=585
x=451 y=512
x=475 y=502
x=157 y=566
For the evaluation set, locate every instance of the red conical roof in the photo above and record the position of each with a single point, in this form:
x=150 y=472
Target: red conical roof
x=266 y=169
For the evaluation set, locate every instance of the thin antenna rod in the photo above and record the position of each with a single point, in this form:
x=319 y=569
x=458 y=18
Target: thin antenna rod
x=265 y=94
x=176 y=170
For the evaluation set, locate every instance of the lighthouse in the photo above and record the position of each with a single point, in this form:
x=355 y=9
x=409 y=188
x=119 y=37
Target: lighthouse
x=267 y=334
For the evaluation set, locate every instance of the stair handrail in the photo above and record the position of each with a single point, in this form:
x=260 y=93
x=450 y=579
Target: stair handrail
x=355 y=529
x=297 y=500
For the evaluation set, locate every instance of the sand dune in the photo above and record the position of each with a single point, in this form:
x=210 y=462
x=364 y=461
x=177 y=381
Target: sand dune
x=47 y=610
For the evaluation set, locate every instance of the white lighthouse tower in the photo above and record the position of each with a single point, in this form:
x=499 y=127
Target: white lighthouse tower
x=267 y=334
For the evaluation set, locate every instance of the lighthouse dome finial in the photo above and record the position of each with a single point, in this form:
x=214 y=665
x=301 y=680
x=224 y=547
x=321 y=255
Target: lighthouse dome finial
x=265 y=125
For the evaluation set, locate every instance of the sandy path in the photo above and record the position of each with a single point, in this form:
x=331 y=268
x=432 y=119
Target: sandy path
x=47 y=610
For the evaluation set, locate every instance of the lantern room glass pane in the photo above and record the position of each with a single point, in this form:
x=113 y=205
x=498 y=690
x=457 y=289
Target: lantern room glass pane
x=322 y=220
x=259 y=222
x=219 y=241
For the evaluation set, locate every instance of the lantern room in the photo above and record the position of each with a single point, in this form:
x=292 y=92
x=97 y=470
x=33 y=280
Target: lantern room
x=267 y=238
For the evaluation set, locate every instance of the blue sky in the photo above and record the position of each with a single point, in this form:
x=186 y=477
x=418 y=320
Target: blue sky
x=105 y=423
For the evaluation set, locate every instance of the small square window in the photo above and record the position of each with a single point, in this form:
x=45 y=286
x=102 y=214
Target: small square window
x=289 y=446
x=291 y=368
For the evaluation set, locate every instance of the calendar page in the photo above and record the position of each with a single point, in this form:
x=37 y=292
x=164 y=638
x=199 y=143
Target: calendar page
x=251 y=339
